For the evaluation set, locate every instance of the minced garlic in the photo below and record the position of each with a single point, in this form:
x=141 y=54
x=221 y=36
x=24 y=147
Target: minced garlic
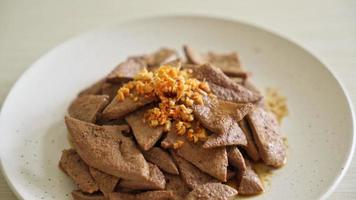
x=177 y=93
x=178 y=144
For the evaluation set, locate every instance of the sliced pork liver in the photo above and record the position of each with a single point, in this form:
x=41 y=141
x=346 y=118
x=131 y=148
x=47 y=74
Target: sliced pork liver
x=250 y=148
x=236 y=159
x=162 y=159
x=110 y=89
x=161 y=56
x=212 y=161
x=230 y=94
x=106 y=182
x=106 y=149
x=151 y=195
x=177 y=63
x=117 y=109
x=126 y=70
x=79 y=195
x=155 y=181
x=250 y=183
x=267 y=136
x=221 y=118
x=145 y=135
x=87 y=107
x=228 y=62
x=212 y=191
x=233 y=137
x=190 y=174
x=192 y=56
x=176 y=184
x=74 y=167
x=222 y=86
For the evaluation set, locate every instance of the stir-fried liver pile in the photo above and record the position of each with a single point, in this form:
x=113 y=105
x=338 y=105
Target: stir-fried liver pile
x=162 y=127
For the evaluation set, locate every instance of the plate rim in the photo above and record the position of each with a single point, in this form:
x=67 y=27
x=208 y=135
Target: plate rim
x=351 y=150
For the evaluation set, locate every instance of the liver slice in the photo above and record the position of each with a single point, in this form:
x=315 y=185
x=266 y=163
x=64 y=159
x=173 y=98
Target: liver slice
x=106 y=182
x=117 y=109
x=250 y=183
x=250 y=148
x=229 y=63
x=162 y=159
x=192 y=56
x=110 y=89
x=126 y=70
x=78 y=195
x=190 y=174
x=222 y=86
x=106 y=149
x=151 y=195
x=160 y=57
x=145 y=135
x=221 y=118
x=230 y=138
x=75 y=168
x=267 y=136
x=231 y=94
x=236 y=159
x=155 y=181
x=212 y=191
x=177 y=63
x=87 y=107
x=212 y=161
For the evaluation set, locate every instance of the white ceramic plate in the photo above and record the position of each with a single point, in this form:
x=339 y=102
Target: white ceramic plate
x=319 y=128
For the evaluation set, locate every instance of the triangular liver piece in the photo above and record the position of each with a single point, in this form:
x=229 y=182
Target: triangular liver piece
x=190 y=174
x=234 y=137
x=87 y=107
x=106 y=149
x=106 y=182
x=126 y=70
x=221 y=118
x=222 y=86
x=162 y=159
x=212 y=191
x=155 y=181
x=78 y=170
x=118 y=109
x=268 y=138
x=145 y=135
x=250 y=147
x=229 y=63
x=213 y=161
x=250 y=183
x=161 y=56
x=236 y=159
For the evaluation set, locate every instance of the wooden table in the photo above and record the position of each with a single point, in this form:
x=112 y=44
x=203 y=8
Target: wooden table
x=327 y=28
